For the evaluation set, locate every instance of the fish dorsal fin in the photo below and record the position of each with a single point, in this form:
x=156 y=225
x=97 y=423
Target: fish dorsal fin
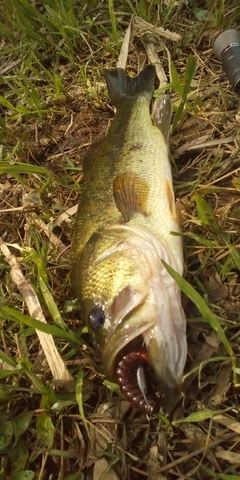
x=130 y=195
x=162 y=114
x=171 y=199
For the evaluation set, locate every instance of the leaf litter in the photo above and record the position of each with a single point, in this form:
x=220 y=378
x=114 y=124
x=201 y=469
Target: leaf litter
x=200 y=437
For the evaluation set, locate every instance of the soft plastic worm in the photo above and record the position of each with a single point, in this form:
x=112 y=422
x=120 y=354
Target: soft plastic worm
x=128 y=381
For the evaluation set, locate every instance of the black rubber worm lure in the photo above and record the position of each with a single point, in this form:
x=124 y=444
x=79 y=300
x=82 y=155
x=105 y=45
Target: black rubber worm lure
x=132 y=379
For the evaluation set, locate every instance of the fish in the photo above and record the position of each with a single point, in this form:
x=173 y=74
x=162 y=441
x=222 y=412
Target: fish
x=126 y=224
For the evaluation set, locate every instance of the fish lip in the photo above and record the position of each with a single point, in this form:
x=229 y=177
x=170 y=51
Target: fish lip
x=118 y=344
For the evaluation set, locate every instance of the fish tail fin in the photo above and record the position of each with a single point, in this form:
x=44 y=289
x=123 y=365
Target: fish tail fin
x=120 y=85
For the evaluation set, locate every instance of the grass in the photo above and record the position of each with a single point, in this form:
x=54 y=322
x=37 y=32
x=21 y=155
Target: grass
x=53 y=103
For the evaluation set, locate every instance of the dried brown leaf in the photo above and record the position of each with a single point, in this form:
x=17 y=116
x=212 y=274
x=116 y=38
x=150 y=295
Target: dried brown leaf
x=228 y=422
x=104 y=471
x=155 y=460
x=231 y=457
x=218 y=396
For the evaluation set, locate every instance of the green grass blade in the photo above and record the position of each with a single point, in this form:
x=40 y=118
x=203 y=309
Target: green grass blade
x=24 y=168
x=175 y=80
x=79 y=396
x=202 y=307
x=197 y=417
x=234 y=252
x=51 y=304
x=222 y=476
x=205 y=212
x=19 y=317
x=7 y=373
x=26 y=367
x=6 y=359
x=188 y=75
x=185 y=89
x=113 y=20
x=45 y=428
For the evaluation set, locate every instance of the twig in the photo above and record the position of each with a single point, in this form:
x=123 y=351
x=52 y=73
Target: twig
x=54 y=240
x=201 y=144
x=149 y=34
x=154 y=58
x=65 y=216
x=186 y=458
x=122 y=59
x=142 y=27
x=60 y=373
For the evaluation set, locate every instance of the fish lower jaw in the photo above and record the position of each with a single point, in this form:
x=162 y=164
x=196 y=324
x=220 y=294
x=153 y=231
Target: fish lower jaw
x=147 y=363
x=139 y=381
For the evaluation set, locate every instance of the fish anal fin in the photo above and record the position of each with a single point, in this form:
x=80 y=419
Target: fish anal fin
x=130 y=195
x=171 y=199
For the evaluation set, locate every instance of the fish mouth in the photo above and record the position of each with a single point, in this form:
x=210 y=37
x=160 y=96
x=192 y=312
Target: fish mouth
x=136 y=378
x=126 y=361
x=140 y=360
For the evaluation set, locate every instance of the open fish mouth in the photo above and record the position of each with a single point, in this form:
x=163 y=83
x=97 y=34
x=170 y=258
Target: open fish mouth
x=126 y=361
x=135 y=378
x=132 y=377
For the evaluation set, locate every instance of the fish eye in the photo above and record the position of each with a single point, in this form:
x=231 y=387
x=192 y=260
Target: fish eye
x=96 y=318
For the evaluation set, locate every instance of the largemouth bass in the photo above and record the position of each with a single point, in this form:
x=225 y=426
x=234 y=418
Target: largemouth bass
x=123 y=229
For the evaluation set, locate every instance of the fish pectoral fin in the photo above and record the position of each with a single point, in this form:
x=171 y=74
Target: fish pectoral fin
x=130 y=194
x=171 y=199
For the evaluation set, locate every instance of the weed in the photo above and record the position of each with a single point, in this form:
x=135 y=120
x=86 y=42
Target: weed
x=52 y=106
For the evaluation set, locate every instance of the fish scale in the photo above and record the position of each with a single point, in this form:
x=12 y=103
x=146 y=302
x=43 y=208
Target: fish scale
x=123 y=228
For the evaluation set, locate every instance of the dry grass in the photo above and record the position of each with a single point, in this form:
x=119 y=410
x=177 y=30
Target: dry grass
x=53 y=104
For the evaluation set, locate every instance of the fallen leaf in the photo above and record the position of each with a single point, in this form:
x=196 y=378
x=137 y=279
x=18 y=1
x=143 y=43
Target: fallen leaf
x=218 y=395
x=231 y=457
x=104 y=471
x=216 y=290
x=154 y=462
x=228 y=422
x=198 y=439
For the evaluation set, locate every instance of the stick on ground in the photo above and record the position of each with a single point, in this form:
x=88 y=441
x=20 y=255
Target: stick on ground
x=60 y=374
